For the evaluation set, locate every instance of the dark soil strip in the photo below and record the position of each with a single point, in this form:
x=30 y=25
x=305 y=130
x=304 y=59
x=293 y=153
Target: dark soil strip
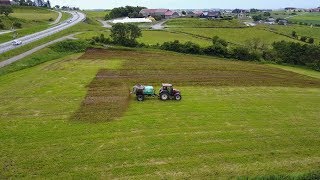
x=108 y=95
x=105 y=101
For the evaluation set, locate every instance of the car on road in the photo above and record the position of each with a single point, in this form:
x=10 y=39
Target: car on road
x=69 y=21
x=16 y=42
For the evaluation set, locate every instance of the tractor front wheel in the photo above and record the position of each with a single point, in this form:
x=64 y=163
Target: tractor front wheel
x=164 y=96
x=177 y=97
x=140 y=97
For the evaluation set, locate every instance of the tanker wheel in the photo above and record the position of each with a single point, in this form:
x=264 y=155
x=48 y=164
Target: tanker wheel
x=178 y=97
x=140 y=97
x=164 y=96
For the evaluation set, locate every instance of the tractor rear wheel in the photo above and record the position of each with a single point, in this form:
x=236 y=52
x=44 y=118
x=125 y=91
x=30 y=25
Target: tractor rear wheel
x=177 y=97
x=164 y=96
x=140 y=97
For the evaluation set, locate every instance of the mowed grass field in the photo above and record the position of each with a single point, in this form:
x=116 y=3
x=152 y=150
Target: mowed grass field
x=235 y=35
x=201 y=22
x=152 y=37
x=76 y=119
x=310 y=18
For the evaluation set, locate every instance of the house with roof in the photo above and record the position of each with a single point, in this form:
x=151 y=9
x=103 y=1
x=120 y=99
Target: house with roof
x=211 y=14
x=290 y=9
x=315 y=10
x=171 y=14
x=164 y=13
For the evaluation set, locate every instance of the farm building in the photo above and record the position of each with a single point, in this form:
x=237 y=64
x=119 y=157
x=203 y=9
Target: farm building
x=5 y=2
x=164 y=13
x=132 y=20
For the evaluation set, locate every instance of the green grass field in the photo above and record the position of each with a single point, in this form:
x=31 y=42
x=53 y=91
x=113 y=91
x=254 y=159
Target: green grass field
x=309 y=18
x=65 y=16
x=313 y=32
x=32 y=19
x=197 y=23
x=153 y=37
x=33 y=13
x=96 y=14
x=235 y=119
x=235 y=35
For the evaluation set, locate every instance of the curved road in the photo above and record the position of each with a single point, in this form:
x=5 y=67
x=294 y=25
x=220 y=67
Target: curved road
x=76 y=18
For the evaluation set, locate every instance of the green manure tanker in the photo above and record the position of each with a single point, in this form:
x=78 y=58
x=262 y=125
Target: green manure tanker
x=166 y=92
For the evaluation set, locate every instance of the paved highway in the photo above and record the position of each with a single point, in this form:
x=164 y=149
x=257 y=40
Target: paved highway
x=76 y=18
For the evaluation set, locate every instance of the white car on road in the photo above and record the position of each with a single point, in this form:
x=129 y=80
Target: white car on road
x=16 y=42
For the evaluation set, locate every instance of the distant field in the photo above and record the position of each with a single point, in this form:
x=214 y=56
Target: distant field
x=310 y=18
x=96 y=14
x=313 y=32
x=153 y=37
x=73 y=118
x=33 y=13
x=235 y=35
x=197 y=22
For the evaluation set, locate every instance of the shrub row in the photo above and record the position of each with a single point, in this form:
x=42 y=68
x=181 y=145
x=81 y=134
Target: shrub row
x=281 y=52
x=218 y=48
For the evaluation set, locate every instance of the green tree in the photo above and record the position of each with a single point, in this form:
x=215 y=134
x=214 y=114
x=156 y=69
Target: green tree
x=6 y=10
x=124 y=12
x=267 y=14
x=303 y=38
x=294 y=34
x=311 y=40
x=23 y=3
x=48 y=4
x=125 y=34
x=257 y=17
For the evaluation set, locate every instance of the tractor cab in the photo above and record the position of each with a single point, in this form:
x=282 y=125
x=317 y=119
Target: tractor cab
x=168 y=92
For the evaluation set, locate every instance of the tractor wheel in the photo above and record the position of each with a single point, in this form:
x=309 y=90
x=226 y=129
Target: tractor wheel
x=164 y=96
x=178 y=97
x=140 y=97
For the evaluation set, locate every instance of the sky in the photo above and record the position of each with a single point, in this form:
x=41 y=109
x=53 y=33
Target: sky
x=189 y=4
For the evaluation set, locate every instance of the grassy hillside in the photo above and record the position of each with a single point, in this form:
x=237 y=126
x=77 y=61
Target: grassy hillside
x=309 y=18
x=96 y=14
x=32 y=19
x=313 y=32
x=33 y=13
x=197 y=22
x=235 y=35
x=235 y=119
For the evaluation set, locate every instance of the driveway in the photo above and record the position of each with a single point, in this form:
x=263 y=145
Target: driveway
x=105 y=24
x=159 y=25
x=58 y=19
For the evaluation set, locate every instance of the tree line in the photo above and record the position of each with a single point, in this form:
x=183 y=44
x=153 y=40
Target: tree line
x=127 y=11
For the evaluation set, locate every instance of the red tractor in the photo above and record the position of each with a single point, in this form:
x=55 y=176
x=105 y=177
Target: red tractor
x=167 y=92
